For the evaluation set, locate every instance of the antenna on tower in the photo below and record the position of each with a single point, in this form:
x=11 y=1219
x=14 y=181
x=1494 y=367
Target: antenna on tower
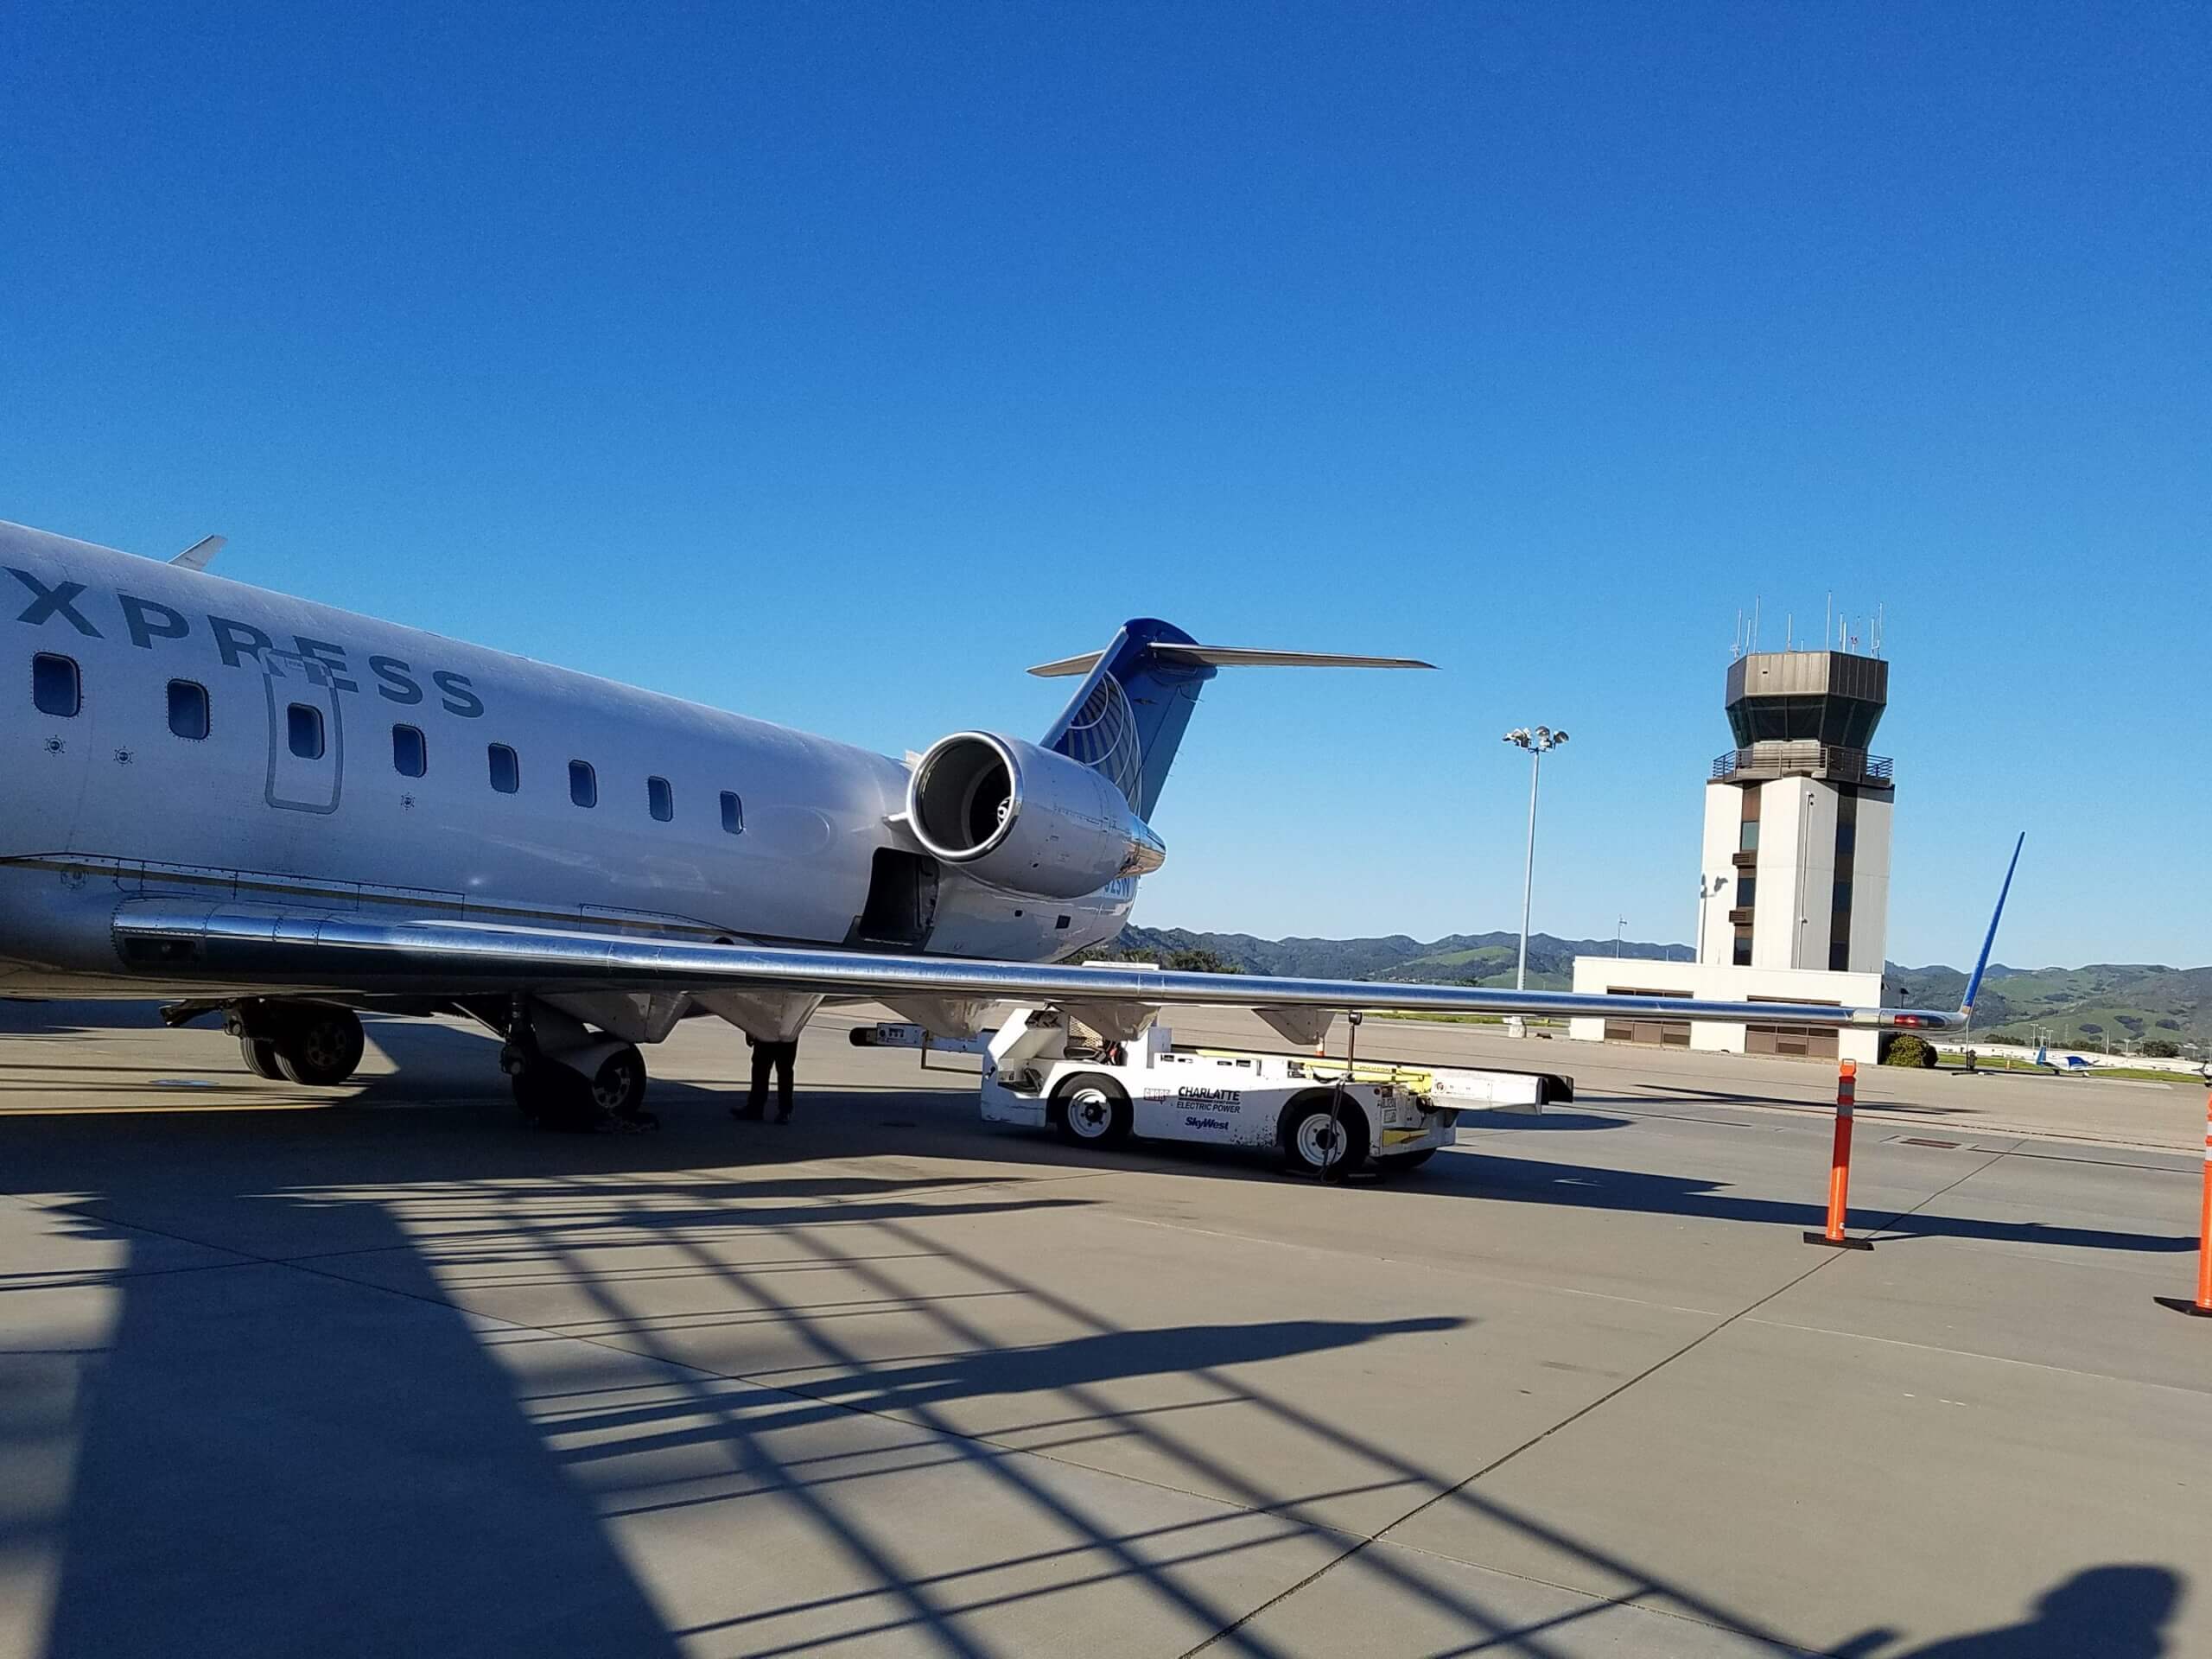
x=1828 y=627
x=1878 y=630
x=1755 y=622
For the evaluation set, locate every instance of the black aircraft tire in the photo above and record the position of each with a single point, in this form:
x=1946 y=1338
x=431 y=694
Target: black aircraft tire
x=319 y=1044
x=617 y=1089
x=260 y=1056
x=553 y=1097
x=1091 y=1110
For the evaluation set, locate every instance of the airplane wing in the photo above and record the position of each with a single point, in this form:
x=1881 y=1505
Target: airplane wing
x=307 y=952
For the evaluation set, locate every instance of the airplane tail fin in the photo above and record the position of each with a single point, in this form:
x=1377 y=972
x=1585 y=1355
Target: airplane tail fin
x=1127 y=718
x=1981 y=966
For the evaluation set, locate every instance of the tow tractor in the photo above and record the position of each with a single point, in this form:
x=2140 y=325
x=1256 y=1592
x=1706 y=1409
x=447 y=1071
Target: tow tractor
x=1042 y=1070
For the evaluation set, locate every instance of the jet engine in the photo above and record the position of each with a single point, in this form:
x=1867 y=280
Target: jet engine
x=1025 y=819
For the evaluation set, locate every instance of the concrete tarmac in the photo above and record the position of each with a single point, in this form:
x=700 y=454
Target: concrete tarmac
x=375 y=1371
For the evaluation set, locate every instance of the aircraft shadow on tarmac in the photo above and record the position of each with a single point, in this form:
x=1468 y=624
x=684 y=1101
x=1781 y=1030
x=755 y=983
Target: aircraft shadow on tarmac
x=321 y=1448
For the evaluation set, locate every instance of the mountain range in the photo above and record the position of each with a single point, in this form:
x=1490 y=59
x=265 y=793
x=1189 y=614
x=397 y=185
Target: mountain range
x=2071 y=1006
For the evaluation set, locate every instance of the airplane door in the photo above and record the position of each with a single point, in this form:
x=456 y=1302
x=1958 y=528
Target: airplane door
x=306 y=743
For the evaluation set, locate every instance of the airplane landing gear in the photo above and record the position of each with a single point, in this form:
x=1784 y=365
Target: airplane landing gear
x=260 y=1056
x=587 y=1085
x=618 y=1086
x=610 y=1099
x=316 y=1044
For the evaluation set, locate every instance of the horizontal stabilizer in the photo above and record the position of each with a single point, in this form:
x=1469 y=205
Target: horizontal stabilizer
x=1230 y=657
x=200 y=554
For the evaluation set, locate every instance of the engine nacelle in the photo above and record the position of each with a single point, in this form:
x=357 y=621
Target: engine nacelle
x=1023 y=817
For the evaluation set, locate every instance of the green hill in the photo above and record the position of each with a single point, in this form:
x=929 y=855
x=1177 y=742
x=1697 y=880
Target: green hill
x=2075 y=1007
x=1459 y=959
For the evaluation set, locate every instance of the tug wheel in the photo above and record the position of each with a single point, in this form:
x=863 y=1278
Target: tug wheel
x=1091 y=1110
x=1317 y=1137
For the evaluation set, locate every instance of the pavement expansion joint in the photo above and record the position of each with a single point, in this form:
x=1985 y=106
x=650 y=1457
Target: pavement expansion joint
x=2043 y=1366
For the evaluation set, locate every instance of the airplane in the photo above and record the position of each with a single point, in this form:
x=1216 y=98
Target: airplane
x=279 y=813
x=2066 y=1066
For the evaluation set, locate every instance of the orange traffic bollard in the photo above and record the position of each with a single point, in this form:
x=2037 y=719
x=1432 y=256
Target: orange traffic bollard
x=1847 y=1091
x=2202 y=1307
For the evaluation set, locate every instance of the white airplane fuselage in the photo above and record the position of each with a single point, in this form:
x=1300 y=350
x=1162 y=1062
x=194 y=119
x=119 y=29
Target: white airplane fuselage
x=109 y=803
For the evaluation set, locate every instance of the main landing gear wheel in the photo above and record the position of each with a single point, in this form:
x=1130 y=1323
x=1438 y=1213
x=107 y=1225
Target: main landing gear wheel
x=260 y=1056
x=557 y=1097
x=550 y=1095
x=1316 y=1137
x=618 y=1090
x=1093 y=1111
x=319 y=1045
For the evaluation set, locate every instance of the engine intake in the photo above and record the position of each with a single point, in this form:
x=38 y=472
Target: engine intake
x=1025 y=819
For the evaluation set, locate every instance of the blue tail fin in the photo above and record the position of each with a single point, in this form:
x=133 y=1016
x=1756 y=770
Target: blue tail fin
x=1128 y=720
x=1981 y=967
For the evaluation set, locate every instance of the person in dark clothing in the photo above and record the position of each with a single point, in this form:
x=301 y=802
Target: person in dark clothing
x=767 y=1058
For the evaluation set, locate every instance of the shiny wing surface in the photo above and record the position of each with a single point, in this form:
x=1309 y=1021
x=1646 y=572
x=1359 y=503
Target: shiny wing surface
x=351 y=953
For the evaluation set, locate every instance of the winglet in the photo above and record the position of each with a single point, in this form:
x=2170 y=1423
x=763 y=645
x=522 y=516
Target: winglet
x=200 y=554
x=1973 y=985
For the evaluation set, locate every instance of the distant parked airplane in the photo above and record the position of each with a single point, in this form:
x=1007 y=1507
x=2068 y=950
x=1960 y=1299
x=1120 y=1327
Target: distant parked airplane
x=2066 y=1066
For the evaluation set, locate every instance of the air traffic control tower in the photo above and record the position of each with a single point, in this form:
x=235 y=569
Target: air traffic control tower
x=1796 y=870
x=1794 y=885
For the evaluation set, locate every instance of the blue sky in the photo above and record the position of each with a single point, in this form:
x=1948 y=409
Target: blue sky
x=836 y=363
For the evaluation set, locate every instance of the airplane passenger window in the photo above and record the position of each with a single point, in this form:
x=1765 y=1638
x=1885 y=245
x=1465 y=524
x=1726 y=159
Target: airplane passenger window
x=732 y=812
x=187 y=709
x=583 y=784
x=54 y=686
x=660 y=799
x=303 y=730
x=506 y=771
x=411 y=755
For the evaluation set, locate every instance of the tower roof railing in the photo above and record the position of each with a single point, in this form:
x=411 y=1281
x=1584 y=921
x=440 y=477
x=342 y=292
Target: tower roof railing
x=1841 y=766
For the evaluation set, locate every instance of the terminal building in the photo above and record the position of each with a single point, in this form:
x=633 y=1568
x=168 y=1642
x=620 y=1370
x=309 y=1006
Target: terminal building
x=1794 y=895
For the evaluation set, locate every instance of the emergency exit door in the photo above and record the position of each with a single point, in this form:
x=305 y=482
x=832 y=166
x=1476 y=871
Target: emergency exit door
x=307 y=745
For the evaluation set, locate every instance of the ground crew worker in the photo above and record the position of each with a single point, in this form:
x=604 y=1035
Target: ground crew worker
x=767 y=1057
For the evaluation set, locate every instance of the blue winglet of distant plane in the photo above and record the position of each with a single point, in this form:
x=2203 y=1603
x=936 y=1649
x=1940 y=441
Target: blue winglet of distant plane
x=1973 y=985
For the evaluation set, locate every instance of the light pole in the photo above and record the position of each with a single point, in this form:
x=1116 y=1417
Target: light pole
x=1539 y=741
x=1618 y=926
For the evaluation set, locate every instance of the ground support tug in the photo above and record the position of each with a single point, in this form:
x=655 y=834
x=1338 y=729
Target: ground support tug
x=1041 y=1069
